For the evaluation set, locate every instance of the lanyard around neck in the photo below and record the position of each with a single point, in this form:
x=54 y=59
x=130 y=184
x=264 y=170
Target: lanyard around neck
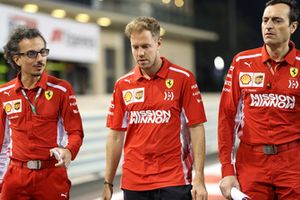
x=34 y=101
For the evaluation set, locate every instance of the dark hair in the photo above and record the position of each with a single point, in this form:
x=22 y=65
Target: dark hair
x=12 y=46
x=142 y=23
x=294 y=12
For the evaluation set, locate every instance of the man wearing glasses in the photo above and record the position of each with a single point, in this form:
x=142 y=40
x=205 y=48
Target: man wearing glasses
x=40 y=127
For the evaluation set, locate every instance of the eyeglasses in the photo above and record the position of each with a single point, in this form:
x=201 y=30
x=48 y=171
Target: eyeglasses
x=33 y=54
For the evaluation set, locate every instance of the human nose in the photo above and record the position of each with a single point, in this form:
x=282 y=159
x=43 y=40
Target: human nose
x=269 y=24
x=141 y=52
x=39 y=56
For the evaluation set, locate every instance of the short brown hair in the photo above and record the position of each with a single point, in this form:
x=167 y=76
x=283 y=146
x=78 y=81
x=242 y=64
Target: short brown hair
x=142 y=23
x=294 y=11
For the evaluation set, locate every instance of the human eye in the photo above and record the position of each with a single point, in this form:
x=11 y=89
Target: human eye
x=31 y=53
x=277 y=21
x=265 y=20
x=44 y=52
x=145 y=46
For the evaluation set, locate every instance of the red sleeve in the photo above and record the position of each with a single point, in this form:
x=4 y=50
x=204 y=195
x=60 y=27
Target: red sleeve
x=227 y=110
x=72 y=121
x=116 y=117
x=4 y=141
x=192 y=102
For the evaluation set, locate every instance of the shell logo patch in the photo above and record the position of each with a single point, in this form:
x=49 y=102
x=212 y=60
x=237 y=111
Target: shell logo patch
x=169 y=83
x=14 y=106
x=133 y=95
x=128 y=96
x=251 y=79
x=245 y=79
x=293 y=71
x=8 y=108
x=48 y=94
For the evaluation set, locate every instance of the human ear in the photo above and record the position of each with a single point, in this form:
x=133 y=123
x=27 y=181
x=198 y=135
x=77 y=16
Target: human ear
x=294 y=26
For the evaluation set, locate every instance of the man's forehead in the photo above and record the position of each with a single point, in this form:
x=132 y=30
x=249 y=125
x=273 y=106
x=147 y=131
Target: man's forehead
x=278 y=10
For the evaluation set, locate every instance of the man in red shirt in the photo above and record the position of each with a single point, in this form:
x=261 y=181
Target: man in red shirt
x=159 y=106
x=260 y=104
x=41 y=128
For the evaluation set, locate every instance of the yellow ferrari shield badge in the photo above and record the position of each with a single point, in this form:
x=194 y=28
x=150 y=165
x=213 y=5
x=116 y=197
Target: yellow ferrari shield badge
x=169 y=83
x=294 y=71
x=48 y=94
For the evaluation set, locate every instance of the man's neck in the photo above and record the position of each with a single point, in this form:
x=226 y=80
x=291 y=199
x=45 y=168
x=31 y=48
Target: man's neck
x=151 y=72
x=277 y=52
x=29 y=81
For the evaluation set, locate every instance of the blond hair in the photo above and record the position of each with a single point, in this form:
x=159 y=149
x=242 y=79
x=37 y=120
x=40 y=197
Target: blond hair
x=142 y=23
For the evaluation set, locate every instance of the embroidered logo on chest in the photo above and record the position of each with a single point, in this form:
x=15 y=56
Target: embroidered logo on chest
x=14 y=106
x=133 y=95
x=169 y=96
x=48 y=94
x=250 y=79
x=169 y=83
x=293 y=84
x=293 y=71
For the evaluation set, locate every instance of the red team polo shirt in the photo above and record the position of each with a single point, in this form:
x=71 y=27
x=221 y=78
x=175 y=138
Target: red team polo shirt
x=257 y=106
x=155 y=114
x=27 y=136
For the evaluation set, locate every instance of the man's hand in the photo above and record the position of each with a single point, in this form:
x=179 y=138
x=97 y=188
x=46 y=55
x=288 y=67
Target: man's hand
x=199 y=190
x=226 y=184
x=63 y=157
x=107 y=192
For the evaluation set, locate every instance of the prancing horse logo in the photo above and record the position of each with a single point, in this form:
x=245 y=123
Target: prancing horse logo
x=48 y=94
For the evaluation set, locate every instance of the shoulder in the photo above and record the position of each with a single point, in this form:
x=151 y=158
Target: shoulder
x=250 y=54
x=58 y=84
x=297 y=54
x=126 y=78
x=176 y=70
x=180 y=71
x=8 y=85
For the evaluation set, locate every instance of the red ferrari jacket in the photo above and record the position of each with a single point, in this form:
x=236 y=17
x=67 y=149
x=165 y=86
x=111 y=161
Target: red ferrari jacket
x=28 y=133
x=260 y=102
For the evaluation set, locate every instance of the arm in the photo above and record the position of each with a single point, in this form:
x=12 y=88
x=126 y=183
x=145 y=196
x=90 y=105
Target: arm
x=70 y=132
x=226 y=129
x=114 y=147
x=4 y=144
x=71 y=121
x=198 y=144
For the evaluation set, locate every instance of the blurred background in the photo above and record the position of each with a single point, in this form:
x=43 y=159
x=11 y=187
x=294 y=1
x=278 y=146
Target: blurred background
x=89 y=49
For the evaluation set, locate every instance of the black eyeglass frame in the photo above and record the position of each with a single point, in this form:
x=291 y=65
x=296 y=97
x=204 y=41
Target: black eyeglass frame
x=33 y=54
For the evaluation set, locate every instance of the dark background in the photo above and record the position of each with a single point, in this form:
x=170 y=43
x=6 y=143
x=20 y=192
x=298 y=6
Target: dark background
x=238 y=24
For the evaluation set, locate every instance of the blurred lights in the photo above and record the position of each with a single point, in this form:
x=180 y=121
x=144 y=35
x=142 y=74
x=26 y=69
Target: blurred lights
x=162 y=31
x=82 y=17
x=104 y=21
x=179 y=3
x=58 y=13
x=31 y=8
x=219 y=63
x=165 y=1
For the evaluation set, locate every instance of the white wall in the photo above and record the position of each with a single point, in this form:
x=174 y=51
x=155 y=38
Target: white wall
x=179 y=52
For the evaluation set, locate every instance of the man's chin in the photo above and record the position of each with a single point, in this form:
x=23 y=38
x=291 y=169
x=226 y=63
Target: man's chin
x=143 y=66
x=269 y=41
x=37 y=74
